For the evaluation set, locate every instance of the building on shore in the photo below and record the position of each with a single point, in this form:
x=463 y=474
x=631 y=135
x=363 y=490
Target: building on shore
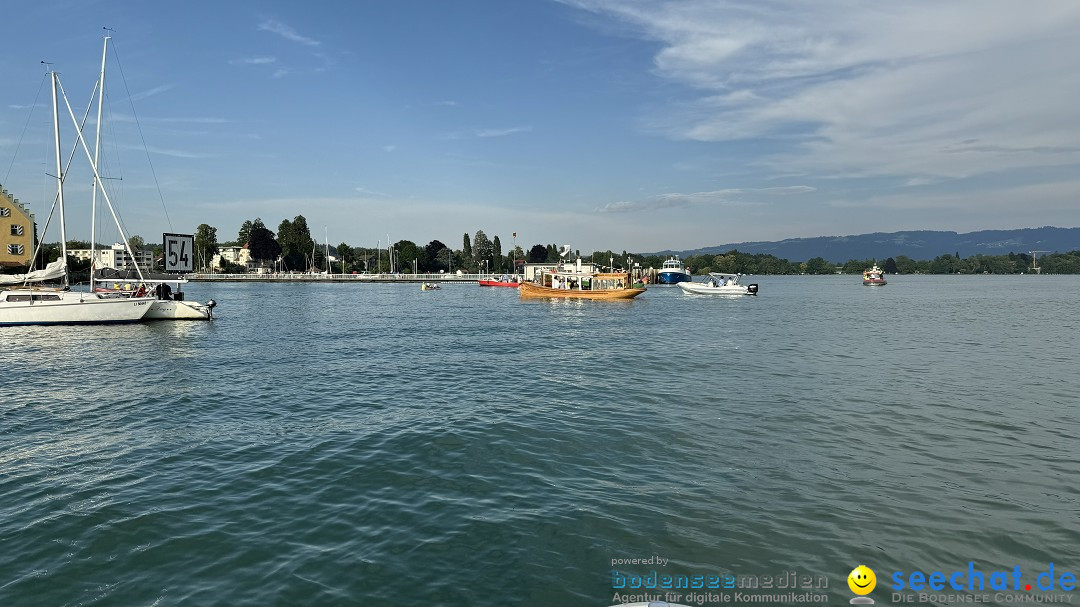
x=17 y=232
x=116 y=257
x=233 y=255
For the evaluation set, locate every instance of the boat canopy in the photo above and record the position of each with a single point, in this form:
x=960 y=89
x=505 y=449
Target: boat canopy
x=54 y=271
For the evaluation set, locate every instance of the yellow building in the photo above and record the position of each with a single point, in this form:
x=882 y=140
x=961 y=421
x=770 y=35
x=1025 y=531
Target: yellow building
x=16 y=232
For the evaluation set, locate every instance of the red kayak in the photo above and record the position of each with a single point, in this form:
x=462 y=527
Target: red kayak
x=497 y=283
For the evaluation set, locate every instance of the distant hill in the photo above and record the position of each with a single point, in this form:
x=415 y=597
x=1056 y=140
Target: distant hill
x=916 y=244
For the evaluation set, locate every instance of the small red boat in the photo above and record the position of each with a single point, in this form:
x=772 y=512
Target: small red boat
x=499 y=283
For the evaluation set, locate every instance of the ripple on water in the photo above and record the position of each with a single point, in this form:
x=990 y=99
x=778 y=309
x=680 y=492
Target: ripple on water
x=372 y=443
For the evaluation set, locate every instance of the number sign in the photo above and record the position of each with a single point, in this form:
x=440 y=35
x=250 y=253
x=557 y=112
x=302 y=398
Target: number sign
x=178 y=252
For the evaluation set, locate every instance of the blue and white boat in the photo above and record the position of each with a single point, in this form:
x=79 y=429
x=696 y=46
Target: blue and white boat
x=673 y=272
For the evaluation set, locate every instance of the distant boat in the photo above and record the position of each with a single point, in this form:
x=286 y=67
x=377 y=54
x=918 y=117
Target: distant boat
x=874 y=277
x=577 y=282
x=719 y=283
x=673 y=271
x=503 y=281
x=429 y=286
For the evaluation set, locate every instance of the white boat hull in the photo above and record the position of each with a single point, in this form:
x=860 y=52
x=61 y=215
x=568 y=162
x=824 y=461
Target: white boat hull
x=69 y=308
x=697 y=288
x=178 y=310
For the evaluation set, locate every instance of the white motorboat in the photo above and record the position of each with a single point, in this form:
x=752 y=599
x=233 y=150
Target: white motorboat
x=718 y=283
x=168 y=303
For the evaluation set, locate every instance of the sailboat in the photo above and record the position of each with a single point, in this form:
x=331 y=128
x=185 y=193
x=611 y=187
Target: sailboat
x=169 y=302
x=23 y=301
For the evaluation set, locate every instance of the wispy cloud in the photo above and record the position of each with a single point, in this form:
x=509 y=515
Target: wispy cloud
x=676 y=200
x=170 y=152
x=287 y=32
x=253 y=61
x=852 y=94
x=169 y=120
x=154 y=91
x=366 y=193
x=502 y=132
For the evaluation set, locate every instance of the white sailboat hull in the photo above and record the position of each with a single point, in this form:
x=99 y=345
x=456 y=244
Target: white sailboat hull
x=67 y=308
x=177 y=310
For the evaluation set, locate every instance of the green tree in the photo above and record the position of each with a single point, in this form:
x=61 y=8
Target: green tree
x=818 y=265
x=262 y=245
x=496 y=255
x=466 y=247
x=482 y=249
x=725 y=263
x=245 y=233
x=437 y=256
x=296 y=243
x=905 y=265
x=405 y=253
x=537 y=254
x=245 y=230
x=206 y=245
x=347 y=256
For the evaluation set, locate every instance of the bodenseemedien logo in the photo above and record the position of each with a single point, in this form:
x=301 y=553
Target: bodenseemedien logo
x=861 y=581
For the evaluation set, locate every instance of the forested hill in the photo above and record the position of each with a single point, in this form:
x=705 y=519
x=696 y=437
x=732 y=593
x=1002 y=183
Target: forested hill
x=916 y=244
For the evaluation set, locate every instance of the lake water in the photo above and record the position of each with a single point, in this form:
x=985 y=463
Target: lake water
x=340 y=444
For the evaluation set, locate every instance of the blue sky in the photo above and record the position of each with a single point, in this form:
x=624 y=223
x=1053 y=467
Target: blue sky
x=622 y=124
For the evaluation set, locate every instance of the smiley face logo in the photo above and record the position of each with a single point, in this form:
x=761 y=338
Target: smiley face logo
x=862 y=580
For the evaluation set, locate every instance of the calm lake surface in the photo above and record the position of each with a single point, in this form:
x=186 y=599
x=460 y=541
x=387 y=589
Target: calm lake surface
x=374 y=444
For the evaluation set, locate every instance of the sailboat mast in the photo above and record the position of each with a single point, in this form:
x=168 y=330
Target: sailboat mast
x=326 y=241
x=97 y=149
x=59 y=177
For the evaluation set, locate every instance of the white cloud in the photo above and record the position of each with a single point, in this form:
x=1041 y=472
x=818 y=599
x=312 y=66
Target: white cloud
x=253 y=61
x=287 y=32
x=502 y=132
x=731 y=196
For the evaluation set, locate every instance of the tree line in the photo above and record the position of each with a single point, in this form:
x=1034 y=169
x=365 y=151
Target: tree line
x=291 y=248
x=1011 y=263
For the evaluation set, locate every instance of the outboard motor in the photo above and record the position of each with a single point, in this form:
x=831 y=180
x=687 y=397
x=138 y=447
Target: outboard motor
x=210 y=305
x=752 y=288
